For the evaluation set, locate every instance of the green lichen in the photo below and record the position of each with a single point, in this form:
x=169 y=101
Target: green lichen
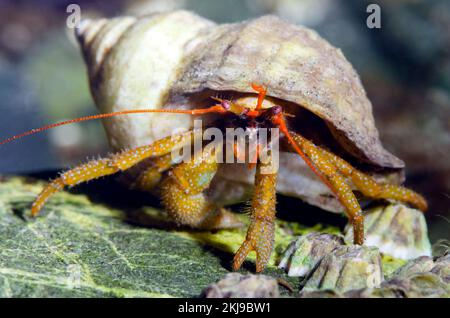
x=391 y=264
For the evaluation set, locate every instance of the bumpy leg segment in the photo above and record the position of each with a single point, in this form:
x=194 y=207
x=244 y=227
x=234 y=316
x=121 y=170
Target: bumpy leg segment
x=152 y=175
x=260 y=234
x=118 y=162
x=183 y=195
x=371 y=188
x=338 y=184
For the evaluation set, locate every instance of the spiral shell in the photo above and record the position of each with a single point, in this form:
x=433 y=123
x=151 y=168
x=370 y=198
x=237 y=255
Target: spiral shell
x=179 y=59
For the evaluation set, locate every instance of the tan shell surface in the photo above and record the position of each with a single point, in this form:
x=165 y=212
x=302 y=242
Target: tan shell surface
x=296 y=65
x=132 y=63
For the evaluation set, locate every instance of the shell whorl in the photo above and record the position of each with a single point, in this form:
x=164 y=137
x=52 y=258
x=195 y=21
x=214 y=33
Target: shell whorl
x=132 y=63
x=97 y=37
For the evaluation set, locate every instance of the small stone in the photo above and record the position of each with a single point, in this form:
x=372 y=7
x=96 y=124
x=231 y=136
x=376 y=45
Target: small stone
x=397 y=230
x=442 y=268
x=304 y=253
x=321 y=294
x=419 y=265
x=235 y=285
x=347 y=268
x=420 y=285
x=417 y=285
x=420 y=277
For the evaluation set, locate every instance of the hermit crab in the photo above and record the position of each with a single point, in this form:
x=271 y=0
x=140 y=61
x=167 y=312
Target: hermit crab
x=155 y=74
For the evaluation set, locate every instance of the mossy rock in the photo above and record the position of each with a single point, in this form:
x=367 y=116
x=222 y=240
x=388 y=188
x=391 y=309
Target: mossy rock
x=80 y=249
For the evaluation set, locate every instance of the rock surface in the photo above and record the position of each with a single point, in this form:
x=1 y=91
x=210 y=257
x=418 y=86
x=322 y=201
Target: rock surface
x=235 y=285
x=77 y=248
x=397 y=230
x=419 y=278
x=304 y=253
x=347 y=268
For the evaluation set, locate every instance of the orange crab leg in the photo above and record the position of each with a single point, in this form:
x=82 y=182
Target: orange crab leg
x=148 y=179
x=238 y=154
x=281 y=123
x=253 y=161
x=241 y=156
x=183 y=196
x=118 y=162
x=371 y=188
x=260 y=234
x=338 y=183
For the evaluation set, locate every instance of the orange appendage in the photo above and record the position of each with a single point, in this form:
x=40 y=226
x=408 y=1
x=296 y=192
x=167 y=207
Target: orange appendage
x=262 y=91
x=148 y=179
x=335 y=169
x=260 y=238
x=88 y=171
x=218 y=109
x=183 y=208
x=53 y=187
x=338 y=184
x=260 y=235
x=389 y=191
x=281 y=123
x=99 y=168
x=182 y=193
x=371 y=188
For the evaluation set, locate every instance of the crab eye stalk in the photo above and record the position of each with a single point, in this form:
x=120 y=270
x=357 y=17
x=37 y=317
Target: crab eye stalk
x=225 y=104
x=275 y=110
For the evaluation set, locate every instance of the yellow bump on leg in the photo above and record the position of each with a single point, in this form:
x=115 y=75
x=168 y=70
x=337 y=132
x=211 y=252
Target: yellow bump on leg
x=260 y=234
x=186 y=203
x=371 y=188
x=129 y=158
x=103 y=167
x=83 y=173
x=338 y=183
x=88 y=171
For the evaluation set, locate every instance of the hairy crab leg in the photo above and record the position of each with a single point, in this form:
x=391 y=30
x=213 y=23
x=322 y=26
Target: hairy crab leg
x=103 y=167
x=260 y=235
x=340 y=186
x=371 y=188
x=183 y=195
x=148 y=179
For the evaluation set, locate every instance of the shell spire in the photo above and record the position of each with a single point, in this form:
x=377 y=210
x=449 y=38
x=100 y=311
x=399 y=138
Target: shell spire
x=97 y=36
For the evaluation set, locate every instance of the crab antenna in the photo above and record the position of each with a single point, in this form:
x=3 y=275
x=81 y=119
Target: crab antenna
x=216 y=98
x=200 y=111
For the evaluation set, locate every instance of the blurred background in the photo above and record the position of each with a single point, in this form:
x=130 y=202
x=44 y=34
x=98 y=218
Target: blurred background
x=404 y=66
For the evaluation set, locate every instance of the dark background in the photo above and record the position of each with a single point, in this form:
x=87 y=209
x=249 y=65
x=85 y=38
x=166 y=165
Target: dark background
x=404 y=65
